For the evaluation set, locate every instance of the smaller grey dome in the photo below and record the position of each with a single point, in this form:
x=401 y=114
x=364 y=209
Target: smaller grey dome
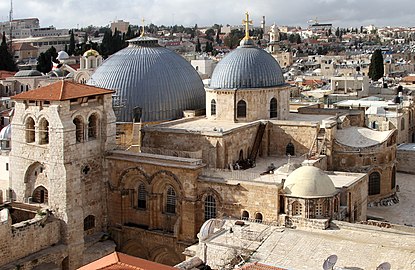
x=6 y=133
x=62 y=55
x=309 y=182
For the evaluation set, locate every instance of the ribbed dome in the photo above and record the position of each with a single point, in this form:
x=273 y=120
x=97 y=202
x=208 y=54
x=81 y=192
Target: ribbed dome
x=154 y=78
x=309 y=182
x=247 y=67
x=62 y=55
x=6 y=133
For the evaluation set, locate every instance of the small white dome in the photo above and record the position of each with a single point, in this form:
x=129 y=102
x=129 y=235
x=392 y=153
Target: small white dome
x=309 y=182
x=6 y=133
x=62 y=55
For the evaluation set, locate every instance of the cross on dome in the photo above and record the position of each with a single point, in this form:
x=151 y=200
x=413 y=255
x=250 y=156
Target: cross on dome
x=247 y=22
x=142 y=32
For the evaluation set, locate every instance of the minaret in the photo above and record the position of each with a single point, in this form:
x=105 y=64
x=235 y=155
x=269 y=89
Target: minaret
x=263 y=24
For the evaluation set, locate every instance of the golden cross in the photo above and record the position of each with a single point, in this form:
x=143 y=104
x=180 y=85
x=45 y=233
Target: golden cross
x=247 y=22
x=142 y=32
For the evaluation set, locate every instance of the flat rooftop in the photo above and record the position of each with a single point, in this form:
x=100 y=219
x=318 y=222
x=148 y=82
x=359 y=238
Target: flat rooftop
x=216 y=127
x=340 y=179
x=357 y=246
x=407 y=147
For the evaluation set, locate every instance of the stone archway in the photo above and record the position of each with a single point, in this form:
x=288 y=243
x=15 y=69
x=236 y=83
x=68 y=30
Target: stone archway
x=136 y=249
x=165 y=255
x=35 y=177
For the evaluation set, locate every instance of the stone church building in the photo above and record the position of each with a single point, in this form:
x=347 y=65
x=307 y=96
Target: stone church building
x=65 y=161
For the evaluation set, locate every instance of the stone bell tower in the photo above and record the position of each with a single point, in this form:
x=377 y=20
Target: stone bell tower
x=60 y=133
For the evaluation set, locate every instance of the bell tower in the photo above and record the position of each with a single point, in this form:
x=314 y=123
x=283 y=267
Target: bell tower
x=60 y=133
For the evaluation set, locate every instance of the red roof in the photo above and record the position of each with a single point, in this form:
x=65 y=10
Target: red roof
x=62 y=90
x=120 y=261
x=6 y=74
x=23 y=47
x=260 y=266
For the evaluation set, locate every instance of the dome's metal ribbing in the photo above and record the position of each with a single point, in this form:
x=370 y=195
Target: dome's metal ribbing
x=153 y=78
x=247 y=67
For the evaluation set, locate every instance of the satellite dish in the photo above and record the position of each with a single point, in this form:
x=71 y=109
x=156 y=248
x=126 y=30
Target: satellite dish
x=330 y=262
x=384 y=266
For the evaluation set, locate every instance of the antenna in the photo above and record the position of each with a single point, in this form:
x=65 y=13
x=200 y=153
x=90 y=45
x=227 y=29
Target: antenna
x=330 y=262
x=10 y=21
x=384 y=266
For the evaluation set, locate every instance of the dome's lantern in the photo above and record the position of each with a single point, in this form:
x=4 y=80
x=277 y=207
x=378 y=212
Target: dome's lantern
x=157 y=80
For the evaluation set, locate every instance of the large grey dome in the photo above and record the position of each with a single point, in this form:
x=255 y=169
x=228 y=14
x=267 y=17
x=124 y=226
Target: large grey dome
x=247 y=67
x=153 y=78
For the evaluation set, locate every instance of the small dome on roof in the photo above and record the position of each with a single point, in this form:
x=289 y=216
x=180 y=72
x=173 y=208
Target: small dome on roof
x=91 y=52
x=27 y=73
x=6 y=133
x=309 y=182
x=62 y=55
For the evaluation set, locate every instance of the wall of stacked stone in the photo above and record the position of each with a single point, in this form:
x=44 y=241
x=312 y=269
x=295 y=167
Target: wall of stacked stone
x=300 y=134
x=379 y=158
x=27 y=237
x=405 y=161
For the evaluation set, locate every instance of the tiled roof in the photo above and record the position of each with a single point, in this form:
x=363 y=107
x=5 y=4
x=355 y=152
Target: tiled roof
x=259 y=266
x=62 y=90
x=6 y=74
x=23 y=47
x=120 y=261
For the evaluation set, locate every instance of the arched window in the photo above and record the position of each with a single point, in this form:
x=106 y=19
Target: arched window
x=44 y=131
x=258 y=217
x=375 y=125
x=40 y=195
x=92 y=126
x=245 y=215
x=273 y=108
x=89 y=222
x=210 y=207
x=213 y=107
x=403 y=123
x=241 y=109
x=374 y=183
x=170 y=200
x=393 y=179
x=297 y=209
x=79 y=129
x=290 y=149
x=21 y=88
x=30 y=130
x=336 y=206
x=142 y=196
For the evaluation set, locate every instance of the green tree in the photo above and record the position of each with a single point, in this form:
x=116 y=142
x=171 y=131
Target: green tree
x=210 y=33
x=217 y=39
x=71 y=49
x=6 y=58
x=198 y=46
x=129 y=34
x=233 y=38
x=44 y=61
x=376 y=69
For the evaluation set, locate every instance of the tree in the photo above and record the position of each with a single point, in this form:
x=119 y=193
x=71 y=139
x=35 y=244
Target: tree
x=376 y=69
x=198 y=46
x=71 y=49
x=44 y=61
x=6 y=58
x=217 y=39
x=210 y=33
x=129 y=34
x=233 y=38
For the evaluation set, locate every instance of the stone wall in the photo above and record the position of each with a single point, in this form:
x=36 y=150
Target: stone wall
x=406 y=158
x=27 y=237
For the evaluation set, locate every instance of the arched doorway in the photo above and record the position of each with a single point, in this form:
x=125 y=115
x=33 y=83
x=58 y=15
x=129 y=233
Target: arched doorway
x=40 y=195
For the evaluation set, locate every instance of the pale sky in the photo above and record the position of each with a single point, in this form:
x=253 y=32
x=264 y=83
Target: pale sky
x=73 y=13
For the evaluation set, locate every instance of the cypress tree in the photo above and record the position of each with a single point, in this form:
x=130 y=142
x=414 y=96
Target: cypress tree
x=71 y=49
x=376 y=68
x=6 y=58
x=198 y=46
